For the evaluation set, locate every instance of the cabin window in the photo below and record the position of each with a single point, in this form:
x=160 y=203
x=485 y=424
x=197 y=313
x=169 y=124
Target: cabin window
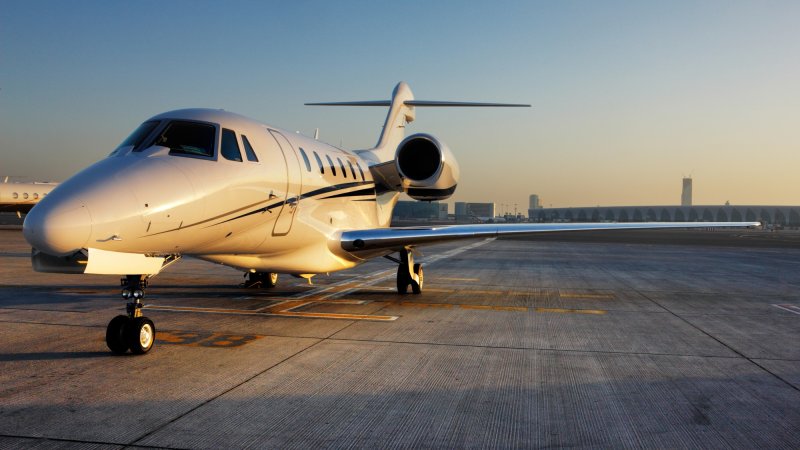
x=305 y=159
x=139 y=135
x=35 y=196
x=319 y=163
x=352 y=170
x=25 y=195
x=188 y=138
x=230 y=148
x=330 y=163
x=341 y=164
x=248 y=149
x=361 y=171
x=15 y=195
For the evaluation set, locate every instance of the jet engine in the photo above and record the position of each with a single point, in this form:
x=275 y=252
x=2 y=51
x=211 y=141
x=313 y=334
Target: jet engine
x=428 y=169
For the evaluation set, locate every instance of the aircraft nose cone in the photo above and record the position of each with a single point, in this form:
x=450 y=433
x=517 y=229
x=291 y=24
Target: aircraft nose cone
x=57 y=231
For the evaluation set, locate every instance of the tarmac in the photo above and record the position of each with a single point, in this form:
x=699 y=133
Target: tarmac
x=513 y=343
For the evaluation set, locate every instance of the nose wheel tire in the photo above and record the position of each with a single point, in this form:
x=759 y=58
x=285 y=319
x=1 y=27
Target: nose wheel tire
x=115 y=334
x=135 y=334
x=140 y=334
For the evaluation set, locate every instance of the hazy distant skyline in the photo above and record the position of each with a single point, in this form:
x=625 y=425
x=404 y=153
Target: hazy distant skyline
x=627 y=97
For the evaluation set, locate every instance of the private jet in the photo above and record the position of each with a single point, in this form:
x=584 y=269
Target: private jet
x=21 y=197
x=224 y=188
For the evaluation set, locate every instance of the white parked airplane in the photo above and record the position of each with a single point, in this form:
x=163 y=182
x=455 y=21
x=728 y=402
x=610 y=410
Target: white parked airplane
x=21 y=197
x=225 y=188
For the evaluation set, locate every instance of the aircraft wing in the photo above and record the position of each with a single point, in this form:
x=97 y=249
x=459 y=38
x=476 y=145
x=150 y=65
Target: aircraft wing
x=397 y=238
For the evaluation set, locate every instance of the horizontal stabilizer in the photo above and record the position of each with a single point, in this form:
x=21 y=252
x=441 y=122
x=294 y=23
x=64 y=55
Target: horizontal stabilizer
x=356 y=103
x=423 y=103
x=466 y=104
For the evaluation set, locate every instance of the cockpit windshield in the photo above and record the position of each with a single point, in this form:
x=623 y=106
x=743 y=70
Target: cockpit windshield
x=188 y=138
x=139 y=135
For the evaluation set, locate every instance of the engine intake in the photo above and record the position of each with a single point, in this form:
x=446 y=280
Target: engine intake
x=428 y=169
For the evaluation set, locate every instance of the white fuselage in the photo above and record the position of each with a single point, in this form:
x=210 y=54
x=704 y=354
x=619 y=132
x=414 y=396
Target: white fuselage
x=281 y=213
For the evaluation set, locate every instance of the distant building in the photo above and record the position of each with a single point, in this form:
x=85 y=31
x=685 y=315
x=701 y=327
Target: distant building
x=443 y=211
x=474 y=212
x=767 y=214
x=415 y=210
x=534 y=202
x=686 y=193
x=533 y=205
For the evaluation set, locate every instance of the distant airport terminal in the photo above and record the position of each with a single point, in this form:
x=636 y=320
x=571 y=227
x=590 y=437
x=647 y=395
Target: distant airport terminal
x=774 y=215
x=465 y=212
x=788 y=216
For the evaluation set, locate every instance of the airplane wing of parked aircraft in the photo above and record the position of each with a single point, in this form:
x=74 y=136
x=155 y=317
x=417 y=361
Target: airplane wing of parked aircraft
x=224 y=188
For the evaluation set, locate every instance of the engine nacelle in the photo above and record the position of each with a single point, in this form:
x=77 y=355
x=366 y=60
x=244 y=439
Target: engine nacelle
x=428 y=169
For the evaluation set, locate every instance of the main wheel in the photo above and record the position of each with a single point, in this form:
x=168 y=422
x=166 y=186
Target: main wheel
x=269 y=279
x=115 y=334
x=140 y=335
x=403 y=279
x=416 y=286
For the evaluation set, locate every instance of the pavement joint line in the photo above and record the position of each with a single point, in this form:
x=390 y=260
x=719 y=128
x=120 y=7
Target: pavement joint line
x=729 y=347
x=224 y=392
x=76 y=441
x=539 y=349
x=719 y=341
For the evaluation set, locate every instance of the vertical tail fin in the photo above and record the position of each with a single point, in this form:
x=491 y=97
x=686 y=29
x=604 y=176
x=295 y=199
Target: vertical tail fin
x=394 y=127
x=401 y=112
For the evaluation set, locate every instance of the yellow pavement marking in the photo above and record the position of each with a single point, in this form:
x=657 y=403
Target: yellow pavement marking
x=576 y=311
x=577 y=295
x=338 y=316
x=427 y=305
x=500 y=308
x=472 y=291
x=205 y=339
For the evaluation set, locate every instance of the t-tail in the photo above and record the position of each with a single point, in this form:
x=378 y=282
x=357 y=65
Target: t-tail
x=419 y=165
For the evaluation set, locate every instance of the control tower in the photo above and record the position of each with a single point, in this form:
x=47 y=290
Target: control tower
x=686 y=194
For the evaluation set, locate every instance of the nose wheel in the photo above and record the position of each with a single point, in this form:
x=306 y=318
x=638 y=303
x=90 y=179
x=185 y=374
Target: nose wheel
x=133 y=331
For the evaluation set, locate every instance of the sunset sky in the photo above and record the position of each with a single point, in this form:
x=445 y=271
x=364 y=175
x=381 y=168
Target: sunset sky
x=627 y=97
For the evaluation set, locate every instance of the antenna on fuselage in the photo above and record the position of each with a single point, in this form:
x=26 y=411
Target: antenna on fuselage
x=316 y=134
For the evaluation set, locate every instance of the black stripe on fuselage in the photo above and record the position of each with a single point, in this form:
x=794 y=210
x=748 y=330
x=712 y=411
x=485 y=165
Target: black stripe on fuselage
x=315 y=193
x=277 y=204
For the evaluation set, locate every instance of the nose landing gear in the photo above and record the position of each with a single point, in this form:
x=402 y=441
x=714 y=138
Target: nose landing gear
x=133 y=331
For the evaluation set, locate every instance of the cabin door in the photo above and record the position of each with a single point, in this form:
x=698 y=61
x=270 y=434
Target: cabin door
x=291 y=202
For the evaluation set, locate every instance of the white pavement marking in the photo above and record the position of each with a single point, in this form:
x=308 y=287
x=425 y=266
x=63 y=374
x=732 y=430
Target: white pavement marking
x=791 y=308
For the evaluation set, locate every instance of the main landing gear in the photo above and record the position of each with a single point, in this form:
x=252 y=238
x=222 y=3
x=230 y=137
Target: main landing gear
x=133 y=331
x=408 y=273
x=261 y=280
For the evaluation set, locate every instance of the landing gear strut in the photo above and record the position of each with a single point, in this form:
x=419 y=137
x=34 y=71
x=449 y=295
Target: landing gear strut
x=261 y=279
x=133 y=331
x=409 y=273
